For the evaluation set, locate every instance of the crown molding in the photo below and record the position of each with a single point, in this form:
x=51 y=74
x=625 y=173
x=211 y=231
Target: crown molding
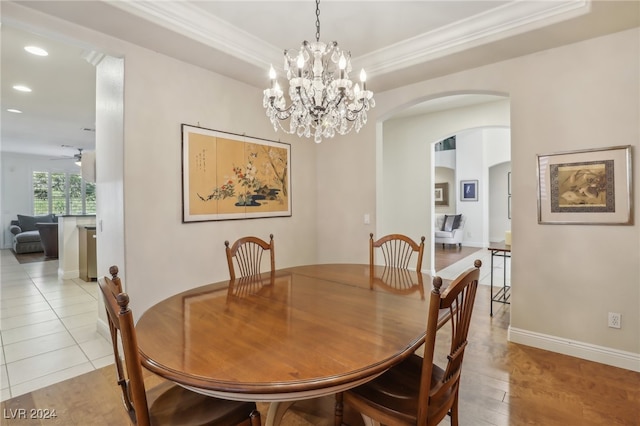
x=505 y=21
x=190 y=21
x=510 y=19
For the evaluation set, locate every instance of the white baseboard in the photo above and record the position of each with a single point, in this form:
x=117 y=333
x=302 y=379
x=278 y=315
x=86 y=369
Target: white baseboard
x=67 y=275
x=103 y=329
x=601 y=354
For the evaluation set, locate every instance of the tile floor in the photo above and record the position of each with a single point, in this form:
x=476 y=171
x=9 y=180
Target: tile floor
x=484 y=255
x=47 y=327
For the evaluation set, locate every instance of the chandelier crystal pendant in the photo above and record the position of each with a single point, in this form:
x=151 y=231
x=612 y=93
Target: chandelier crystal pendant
x=324 y=101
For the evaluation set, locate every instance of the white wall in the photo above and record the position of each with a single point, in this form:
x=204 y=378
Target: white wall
x=162 y=253
x=499 y=221
x=579 y=96
x=470 y=165
x=497 y=159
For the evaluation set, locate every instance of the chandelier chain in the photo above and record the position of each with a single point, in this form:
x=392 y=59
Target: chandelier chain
x=317 y=20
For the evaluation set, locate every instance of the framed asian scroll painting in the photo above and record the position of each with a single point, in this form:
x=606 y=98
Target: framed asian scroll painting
x=590 y=187
x=230 y=176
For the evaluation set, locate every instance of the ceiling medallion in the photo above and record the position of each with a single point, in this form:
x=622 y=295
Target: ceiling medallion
x=324 y=101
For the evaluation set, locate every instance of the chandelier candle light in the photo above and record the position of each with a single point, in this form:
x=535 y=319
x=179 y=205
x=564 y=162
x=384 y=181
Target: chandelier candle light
x=323 y=98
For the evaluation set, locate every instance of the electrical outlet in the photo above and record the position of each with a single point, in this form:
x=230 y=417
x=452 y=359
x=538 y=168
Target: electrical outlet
x=614 y=320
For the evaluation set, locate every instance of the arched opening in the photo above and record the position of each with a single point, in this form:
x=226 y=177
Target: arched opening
x=407 y=173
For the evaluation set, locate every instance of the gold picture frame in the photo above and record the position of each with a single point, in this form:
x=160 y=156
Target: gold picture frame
x=587 y=187
x=441 y=194
x=229 y=176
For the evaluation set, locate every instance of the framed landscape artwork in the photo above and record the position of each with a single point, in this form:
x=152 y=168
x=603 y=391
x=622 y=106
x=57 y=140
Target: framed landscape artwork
x=229 y=176
x=469 y=190
x=589 y=187
x=441 y=194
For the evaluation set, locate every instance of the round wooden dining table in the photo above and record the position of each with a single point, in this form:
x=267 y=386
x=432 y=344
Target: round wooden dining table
x=296 y=333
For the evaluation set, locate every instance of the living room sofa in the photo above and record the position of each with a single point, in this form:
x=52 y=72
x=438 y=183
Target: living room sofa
x=26 y=237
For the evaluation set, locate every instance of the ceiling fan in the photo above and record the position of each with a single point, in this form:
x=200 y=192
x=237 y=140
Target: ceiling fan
x=77 y=157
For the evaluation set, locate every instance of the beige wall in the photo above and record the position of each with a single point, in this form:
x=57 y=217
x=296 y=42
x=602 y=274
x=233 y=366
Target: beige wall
x=566 y=278
x=163 y=255
x=139 y=168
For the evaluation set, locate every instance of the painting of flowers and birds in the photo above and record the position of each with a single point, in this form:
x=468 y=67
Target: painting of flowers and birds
x=230 y=176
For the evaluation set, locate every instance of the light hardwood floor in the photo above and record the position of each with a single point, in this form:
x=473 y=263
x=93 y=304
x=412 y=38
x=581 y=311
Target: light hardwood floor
x=502 y=384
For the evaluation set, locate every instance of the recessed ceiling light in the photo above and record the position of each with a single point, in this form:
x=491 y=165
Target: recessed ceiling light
x=35 y=50
x=21 y=88
x=17 y=111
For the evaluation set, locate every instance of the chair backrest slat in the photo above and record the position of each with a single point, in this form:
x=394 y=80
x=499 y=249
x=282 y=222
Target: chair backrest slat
x=397 y=251
x=247 y=252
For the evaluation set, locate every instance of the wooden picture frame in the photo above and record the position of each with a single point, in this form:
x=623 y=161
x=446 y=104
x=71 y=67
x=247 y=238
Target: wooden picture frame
x=441 y=194
x=468 y=190
x=230 y=176
x=587 y=187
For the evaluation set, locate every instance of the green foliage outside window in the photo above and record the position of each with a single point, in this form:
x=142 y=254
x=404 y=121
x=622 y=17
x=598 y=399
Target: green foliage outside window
x=40 y=193
x=62 y=193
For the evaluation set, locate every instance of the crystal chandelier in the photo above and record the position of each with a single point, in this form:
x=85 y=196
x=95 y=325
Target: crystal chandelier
x=323 y=98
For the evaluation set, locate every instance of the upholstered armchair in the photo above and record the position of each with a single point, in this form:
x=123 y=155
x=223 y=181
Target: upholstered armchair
x=449 y=229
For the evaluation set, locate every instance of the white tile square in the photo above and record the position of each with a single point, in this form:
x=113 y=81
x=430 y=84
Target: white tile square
x=81 y=308
x=103 y=362
x=5 y=393
x=48 y=280
x=50 y=379
x=37 y=346
x=24 y=300
x=97 y=348
x=54 y=287
x=14 y=311
x=80 y=320
x=37 y=366
x=14 y=278
x=19 y=291
x=74 y=300
x=85 y=332
x=67 y=292
x=27 y=332
x=4 y=377
x=41 y=269
x=28 y=319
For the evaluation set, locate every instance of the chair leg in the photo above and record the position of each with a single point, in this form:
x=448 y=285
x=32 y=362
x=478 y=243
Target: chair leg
x=454 y=411
x=255 y=418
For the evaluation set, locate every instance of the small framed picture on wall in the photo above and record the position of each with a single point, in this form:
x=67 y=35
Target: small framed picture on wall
x=468 y=190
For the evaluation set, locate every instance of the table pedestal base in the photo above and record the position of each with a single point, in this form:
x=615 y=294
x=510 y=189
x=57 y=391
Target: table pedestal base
x=276 y=412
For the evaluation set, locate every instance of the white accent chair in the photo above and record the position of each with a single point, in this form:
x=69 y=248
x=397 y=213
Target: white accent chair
x=455 y=236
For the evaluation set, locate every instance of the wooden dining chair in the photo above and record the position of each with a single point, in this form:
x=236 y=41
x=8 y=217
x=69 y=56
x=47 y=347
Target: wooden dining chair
x=165 y=404
x=417 y=391
x=247 y=252
x=397 y=250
